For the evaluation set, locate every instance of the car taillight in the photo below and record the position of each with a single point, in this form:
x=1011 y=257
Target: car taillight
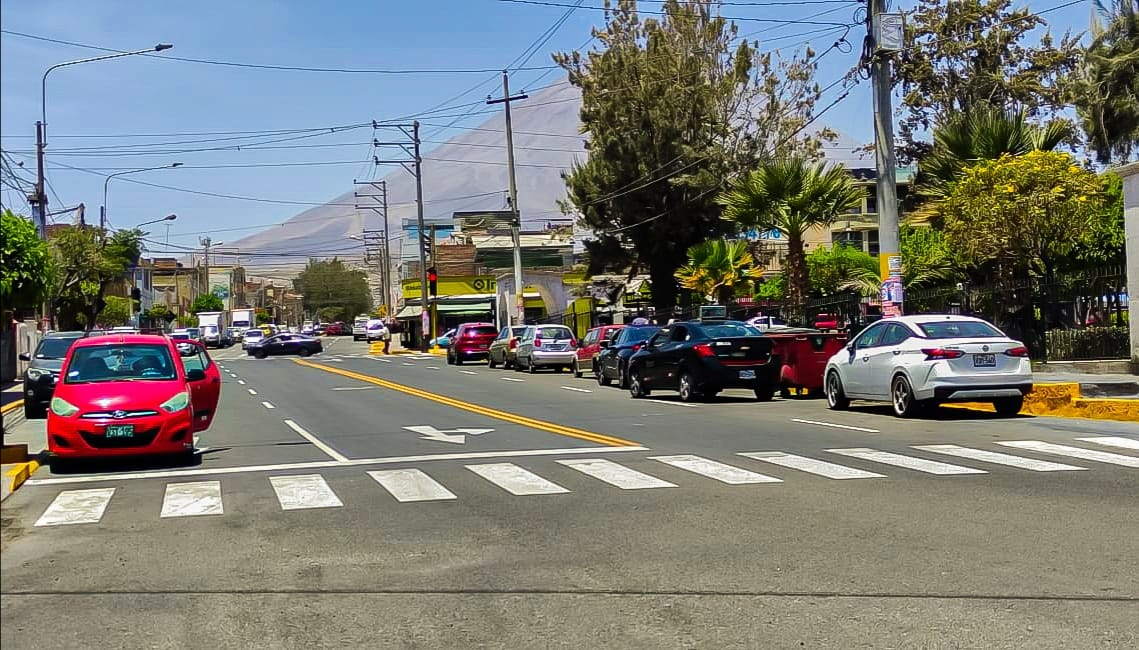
x=704 y=350
x=573 y=343
x=638 y=346
x=1019 y=351
x=934 y=354
x=513 y=343
x=537 y=343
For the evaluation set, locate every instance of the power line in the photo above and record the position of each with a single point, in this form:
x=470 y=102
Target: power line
x=546 y=3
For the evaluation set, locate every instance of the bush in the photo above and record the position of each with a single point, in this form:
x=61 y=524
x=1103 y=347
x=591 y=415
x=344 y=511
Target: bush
x=1087 y=344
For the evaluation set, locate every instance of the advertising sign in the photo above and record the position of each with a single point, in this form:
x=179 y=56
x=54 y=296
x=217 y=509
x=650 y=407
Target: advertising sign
x=219 y=286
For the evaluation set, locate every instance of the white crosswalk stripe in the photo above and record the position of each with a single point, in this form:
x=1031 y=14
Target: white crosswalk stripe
x=615 y=474
x=516 y=480
x=1114 y=441
x=303 y=492
x=411 y=485
x=192 y=499
x=998 y=458
x=908 y=462
x=1073 y=452
x=77 y=507
x=810 y=465
x=715 y=470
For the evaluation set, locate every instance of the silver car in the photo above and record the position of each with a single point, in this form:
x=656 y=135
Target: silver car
x=551 y=346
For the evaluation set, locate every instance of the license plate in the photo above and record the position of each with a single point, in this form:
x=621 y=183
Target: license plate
x=984 y=361
x=747 y=374
x=120 y=431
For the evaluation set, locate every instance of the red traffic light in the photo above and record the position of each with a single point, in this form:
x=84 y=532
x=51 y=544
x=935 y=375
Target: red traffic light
x=431 y=275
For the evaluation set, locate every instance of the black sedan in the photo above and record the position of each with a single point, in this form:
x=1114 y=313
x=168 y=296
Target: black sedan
x=281 y=344
x=698 y=359
x=613 y=361
x=43 y=371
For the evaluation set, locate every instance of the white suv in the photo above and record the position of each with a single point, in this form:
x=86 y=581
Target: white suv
x=917 y=362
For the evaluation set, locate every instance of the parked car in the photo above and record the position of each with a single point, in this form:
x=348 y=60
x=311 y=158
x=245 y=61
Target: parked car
x=471 y=342
x=283 y=344
x=586 y=354
x=195 y=333
x=613 y=360
x=360 y=328
x=698 y=359
x=44 y=366
x=443 y=340
x=503 y=347
x=126 y=395
x=375 y=330
x=918 y=362
x=550 y=346
x=767 y=323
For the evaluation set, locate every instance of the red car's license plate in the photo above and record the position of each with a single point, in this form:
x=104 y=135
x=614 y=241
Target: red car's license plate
x=120 y=431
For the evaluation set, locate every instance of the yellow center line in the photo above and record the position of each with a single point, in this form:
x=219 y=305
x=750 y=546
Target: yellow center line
x=475 y=408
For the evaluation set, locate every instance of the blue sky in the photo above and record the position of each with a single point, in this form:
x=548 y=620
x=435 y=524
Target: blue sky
x=141 y=95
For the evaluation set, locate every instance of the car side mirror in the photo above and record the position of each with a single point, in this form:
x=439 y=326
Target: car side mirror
x=604 y=345
x=24 y=356
x=197 y=374
x=850 y=347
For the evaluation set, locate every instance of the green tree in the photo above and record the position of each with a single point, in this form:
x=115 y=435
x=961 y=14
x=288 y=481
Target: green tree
x=329 y=283
x=115 y=312
x=792 y=196
x=1022 y=215
x=962 y=54
x=717 y=268
x=261 y=318
x=206 y=302
x=842 y=268
x=87 y=263
x=331 y=314
x=157 y=313
x=25 y=268
x=663 y=101
x=1105 y=86
x=1106 y=242
x=928 y=259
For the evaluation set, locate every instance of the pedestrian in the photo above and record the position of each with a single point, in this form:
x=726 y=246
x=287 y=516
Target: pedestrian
x=640 y=320
x=387 y=338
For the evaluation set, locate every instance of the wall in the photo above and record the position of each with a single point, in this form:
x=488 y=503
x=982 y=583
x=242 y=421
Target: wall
x=17 y=340
x=1130 y=175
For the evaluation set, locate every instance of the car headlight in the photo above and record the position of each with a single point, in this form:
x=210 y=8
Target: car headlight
x=36 y=373
x=62 y=408
x=176 y=403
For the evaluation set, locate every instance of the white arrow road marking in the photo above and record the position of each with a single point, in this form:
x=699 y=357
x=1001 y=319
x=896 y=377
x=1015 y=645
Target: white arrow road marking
x=428 y=432
x=576 y=390
x=316 y=442
x=192 y=499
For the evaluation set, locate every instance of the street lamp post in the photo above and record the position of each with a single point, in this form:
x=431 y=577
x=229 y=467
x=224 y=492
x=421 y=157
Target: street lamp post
x=39 y=208
x=107 y=182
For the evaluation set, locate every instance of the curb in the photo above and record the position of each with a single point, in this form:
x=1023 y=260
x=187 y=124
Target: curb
x=13 y=414
x=1063 y=400
x=22 y=472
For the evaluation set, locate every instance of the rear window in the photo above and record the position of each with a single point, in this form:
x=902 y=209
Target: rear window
x=960 y=329
x=728 y=330
x=518 y=331
x=480 y=330
x=635 y=334
x=120 y=363
x=553 y=333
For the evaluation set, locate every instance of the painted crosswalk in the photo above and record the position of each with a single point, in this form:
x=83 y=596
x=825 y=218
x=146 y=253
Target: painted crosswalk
x=561 y=476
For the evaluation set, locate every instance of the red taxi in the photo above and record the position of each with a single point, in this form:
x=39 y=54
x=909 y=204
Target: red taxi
x=131 y=394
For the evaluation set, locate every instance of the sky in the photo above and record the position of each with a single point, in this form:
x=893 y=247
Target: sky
x=103 y=104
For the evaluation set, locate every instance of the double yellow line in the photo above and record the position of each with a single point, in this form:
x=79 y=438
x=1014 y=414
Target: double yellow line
x=475 y=408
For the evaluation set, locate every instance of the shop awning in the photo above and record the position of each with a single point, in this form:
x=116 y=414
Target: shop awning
x=413 y=311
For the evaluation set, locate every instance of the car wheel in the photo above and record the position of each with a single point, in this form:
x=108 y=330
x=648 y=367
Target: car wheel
x=458 y=359
x=506 y=365
x=602 y=379
x=622 y=376
x=687 y=388
x=518 y=364
x=1008 y=407
x=531 y=367
x=577 y=370
x=636 y=385
x=765 y=393
x=450 y=360
x=902 y=397
x=259 y=354
x=34 y=411
x=490 y=362
x=304 y=352
x=836 y=397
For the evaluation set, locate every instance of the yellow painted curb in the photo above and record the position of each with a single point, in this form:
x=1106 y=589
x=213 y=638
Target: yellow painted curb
x=22 y=472
x=8 y=408
x=1063 y=400
x=514 y=418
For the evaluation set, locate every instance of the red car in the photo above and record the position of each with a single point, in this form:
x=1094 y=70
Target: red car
x=337 y=329
x=471 y=342
x=591 y=347
x=131 y=394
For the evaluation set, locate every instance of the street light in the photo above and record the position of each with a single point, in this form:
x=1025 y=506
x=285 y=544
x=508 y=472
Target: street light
x=43 y=84
x=169 y=217
x=107 y=181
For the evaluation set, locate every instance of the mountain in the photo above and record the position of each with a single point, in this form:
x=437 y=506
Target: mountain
x=467 y=172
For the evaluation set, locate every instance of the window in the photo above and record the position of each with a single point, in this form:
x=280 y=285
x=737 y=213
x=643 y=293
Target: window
x=962 y=329
x=872 y=242
x=554 y=333
x=54 y=348
x=198 y=361
x=478 y=330
x=872 y=202
x=679 y=333
x=871 y=337
x=120 y=363
x=591 y=337
x=635 y=334
x=852 y=238
x=729 y=330
x=895 y=334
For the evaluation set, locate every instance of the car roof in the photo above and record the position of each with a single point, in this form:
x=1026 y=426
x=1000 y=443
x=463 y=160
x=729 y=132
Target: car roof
x=477 y=325
x=125 y=339
x=918 y=319
x=64 y=335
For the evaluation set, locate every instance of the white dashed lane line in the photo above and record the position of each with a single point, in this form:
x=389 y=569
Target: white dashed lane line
x=268 y=405
x=510 y=379
x=576 y=390
x=241 y=381
x=468 y=372
x=835 y=426
x=252 y=392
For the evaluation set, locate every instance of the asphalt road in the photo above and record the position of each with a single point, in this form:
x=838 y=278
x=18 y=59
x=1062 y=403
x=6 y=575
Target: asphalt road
x=348 y=501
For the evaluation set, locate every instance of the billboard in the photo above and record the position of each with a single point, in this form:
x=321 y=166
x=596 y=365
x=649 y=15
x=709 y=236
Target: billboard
x=220 y=283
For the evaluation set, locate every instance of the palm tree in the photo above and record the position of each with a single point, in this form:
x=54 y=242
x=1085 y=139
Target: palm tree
x=1105 y=87
x=717 y=267
x=792 y=196
x=985 y=133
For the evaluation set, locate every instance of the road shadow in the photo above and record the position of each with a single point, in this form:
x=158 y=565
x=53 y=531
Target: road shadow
x=940 y=413
x=132 y=464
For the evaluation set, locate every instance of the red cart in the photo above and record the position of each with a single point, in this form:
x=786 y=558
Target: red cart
x=804 y=353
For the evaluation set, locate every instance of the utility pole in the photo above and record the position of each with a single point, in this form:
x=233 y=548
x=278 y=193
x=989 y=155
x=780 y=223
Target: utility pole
x=39 y=205
x=887 y=38
x=435 y=301
x=205 y=242
x=516 y=219
x=376 y=242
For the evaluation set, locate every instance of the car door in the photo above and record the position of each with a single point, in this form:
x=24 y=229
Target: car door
x=883 y=358
x=669 y=356
x=650 y=362
x=607 y=356
x=526 y=344
x=206 y=391
x=588 y=348
x=856 y=370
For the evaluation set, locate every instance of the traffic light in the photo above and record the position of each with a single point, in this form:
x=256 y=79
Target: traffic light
x=432 y=282
x=425 y=243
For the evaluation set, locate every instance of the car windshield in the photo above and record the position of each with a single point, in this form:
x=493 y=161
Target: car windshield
x=54 y=348
x=129 y=362
x=960 y=329
x=254 y=334
x=481 y=330
x=180 y=337
x=728 y=330
x=193 y=331
x=638 y=334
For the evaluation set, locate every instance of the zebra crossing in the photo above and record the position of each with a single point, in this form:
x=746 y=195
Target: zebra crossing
x=413 y=485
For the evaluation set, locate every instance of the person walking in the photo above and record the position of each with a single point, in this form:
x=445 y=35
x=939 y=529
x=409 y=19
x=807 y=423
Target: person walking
x=387 y=338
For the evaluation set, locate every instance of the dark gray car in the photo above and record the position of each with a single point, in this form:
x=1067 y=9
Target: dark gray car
x=43 y=371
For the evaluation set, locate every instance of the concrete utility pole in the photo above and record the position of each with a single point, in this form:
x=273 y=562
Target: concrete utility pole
x=1130 y=175
x=376 y=242
x=516 y=219
x=206 y=242
x=435 y=302
x=39 y=204
x=884 y=32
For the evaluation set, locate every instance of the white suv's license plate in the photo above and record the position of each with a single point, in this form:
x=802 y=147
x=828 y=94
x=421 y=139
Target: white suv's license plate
x=747 y=374
x=984 y=361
